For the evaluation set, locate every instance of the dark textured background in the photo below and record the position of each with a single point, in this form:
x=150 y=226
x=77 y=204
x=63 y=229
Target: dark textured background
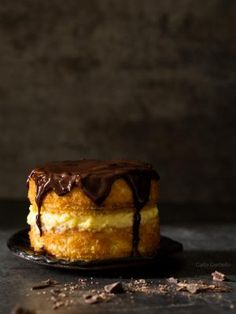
x=152 y=80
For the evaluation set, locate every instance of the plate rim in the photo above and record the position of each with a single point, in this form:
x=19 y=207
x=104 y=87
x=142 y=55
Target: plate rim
x=50 y=261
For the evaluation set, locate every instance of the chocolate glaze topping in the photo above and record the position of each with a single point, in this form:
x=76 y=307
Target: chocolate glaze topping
x=95 y=178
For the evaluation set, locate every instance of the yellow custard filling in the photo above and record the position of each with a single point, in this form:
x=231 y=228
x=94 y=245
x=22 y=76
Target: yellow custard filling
x=62 y=222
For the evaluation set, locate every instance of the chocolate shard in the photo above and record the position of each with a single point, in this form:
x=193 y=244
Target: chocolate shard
x=45 y=284
x=115 y=288
x=18 y=309
x=218 y=276
x=93 y=299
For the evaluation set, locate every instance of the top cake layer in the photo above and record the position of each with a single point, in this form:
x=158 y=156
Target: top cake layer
x=95 y=178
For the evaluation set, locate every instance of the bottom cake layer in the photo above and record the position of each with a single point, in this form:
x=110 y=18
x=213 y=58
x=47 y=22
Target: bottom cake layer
x=73 y=244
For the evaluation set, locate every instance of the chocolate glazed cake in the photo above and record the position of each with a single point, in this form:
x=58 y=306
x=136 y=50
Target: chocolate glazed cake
x=92 y=209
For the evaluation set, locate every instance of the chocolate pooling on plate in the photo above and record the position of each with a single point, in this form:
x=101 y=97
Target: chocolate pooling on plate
x=95 y=178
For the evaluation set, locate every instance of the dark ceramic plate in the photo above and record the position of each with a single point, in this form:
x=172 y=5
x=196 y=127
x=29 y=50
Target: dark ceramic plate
x=19 y=245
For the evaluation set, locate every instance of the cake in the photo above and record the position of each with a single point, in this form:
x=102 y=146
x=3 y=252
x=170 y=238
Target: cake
x=94 y=209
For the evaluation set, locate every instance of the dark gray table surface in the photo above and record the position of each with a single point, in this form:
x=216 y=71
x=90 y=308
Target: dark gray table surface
x=209 y=244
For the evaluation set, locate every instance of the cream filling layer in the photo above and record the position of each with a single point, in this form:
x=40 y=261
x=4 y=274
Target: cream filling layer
x=62 y=222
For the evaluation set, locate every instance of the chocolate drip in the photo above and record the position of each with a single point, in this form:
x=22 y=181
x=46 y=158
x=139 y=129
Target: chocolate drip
x=140 y=184
x=95 y=178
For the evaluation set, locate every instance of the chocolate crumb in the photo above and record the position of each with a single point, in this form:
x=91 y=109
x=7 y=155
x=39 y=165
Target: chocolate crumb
x=45 y=284
x=115 y=288
x=193 y=288
x=96 y=298
x=68 y=294
x=200 y=286
x=18 y=309
x=139 y=285
x=172 y=280
x=55 y=291
x=53 y=299
x=217 y=276
x=58 y=304
x=163 y=289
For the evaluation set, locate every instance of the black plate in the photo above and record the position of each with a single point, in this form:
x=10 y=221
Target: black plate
x=19 y=245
